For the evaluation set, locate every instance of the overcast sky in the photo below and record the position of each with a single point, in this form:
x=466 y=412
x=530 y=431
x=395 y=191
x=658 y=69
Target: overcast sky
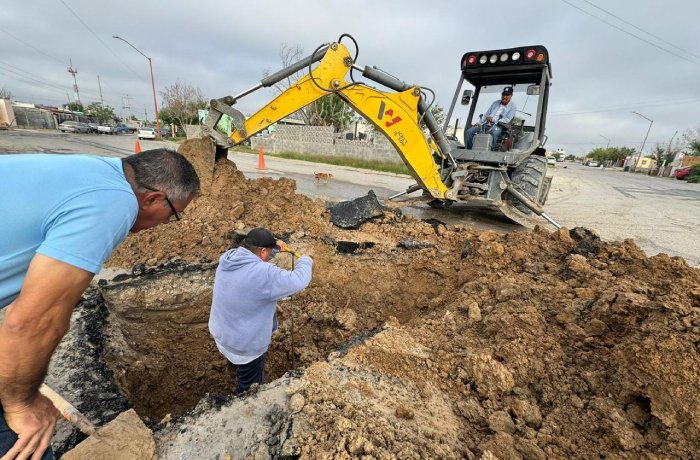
x=602 y=72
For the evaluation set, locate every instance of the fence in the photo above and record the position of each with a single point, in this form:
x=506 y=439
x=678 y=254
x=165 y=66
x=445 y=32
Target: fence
x=323 y=141
x=33 y=118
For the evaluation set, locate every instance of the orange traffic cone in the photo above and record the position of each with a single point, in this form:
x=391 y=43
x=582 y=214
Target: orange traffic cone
x=137 y=147
x=261 y=158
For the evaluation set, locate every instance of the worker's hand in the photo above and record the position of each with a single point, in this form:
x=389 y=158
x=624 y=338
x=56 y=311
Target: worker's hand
x=489 y=119
x=283 y=246
x=34 y=425
x=476 y=124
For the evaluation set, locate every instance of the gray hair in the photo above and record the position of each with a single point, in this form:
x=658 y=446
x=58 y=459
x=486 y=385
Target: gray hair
x=164 y=170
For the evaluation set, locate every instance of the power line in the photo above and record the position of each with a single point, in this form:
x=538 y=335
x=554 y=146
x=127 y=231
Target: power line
x=99 y=39
x=640 y=29
x=31 y=46
x=24 y=76
x=626 y=107
x=630 y=33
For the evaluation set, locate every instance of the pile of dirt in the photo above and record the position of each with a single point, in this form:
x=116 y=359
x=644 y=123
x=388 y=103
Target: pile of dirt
x=427 y=341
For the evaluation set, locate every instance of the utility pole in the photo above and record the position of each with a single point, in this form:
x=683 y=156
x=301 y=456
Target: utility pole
x=102 y=101
x=145 y=114
x=127 y=105
x=72 y=70
x=153 y=83
x=639 y=155
x=668 y=153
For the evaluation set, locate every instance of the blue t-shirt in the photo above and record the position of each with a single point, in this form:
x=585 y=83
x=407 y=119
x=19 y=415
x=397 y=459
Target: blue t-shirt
x=72 y=208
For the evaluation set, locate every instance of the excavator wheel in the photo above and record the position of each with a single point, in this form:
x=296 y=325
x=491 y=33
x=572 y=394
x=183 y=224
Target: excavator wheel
x=529 y=178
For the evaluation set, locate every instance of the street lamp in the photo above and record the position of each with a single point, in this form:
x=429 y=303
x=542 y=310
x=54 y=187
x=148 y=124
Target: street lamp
x=153 y=82
x=651 y=122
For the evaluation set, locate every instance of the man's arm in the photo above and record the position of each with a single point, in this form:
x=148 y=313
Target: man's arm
x=34 y=325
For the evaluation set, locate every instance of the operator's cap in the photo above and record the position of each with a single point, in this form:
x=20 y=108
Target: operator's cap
x=507 y=91
x=261 y=238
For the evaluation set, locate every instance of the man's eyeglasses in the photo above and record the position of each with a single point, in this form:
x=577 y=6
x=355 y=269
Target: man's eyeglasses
x=174 y=214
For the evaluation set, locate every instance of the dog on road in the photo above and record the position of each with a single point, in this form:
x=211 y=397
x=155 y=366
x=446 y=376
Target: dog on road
x=322 y=177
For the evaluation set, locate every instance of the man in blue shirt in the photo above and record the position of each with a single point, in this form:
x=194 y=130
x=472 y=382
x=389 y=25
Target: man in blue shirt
x=62 y=217
x=501 y=110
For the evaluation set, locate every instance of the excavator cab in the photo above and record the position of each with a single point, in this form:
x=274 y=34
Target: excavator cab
x=510 y=173
x=525 y=69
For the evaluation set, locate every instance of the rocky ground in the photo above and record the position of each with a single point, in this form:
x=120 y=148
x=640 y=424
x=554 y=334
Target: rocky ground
x=414 y=339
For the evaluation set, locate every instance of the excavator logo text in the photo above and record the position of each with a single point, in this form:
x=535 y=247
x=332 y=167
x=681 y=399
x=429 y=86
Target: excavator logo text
x=388 y=113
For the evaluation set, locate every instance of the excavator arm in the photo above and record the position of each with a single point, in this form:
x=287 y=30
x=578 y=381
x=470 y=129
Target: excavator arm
x=396 y=114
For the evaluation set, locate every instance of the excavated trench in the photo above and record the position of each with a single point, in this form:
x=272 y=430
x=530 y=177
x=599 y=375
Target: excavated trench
x=164 y=359
x=419 y=340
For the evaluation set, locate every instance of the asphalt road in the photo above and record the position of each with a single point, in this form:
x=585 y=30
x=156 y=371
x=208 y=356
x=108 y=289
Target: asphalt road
x=662 y=215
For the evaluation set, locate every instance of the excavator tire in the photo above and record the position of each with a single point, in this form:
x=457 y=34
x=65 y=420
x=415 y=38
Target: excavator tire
x=529 y=178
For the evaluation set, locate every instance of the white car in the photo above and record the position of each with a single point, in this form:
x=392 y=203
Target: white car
x=593 y=164
x=147 y=133
x=551 y=161
x=74 y=127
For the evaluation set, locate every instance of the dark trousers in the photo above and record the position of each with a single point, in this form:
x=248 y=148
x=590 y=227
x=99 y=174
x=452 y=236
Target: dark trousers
x=250 y=373
x=8 y=438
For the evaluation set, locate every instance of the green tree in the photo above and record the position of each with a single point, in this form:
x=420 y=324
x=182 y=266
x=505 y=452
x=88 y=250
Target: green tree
x=692 y=141
x=658 y=152
x=181 y=103
x=439 y=114
x=102 y=113
x=333 y=111
x=75 y=107
x=612 y=154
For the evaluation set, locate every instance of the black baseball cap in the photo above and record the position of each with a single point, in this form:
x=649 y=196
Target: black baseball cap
x=261 y=238
x=507 y=91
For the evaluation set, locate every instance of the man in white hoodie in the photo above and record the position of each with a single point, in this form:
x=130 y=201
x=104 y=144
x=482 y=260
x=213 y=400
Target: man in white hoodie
x=246 y=290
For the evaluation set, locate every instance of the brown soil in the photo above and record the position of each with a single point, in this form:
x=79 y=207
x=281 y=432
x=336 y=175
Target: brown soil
x=528 y=345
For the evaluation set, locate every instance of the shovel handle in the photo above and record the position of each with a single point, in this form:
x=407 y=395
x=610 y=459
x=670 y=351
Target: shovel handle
x=67 y=410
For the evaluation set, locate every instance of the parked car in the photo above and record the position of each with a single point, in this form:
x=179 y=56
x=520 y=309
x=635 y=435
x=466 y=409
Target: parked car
x=551 y=161
x=593 y=164
x=682 y=173
x=121 y=128
x=74 y=127
x=147 y=133
x=560 y=159
x=105 y=129
x=165 y=132
x=93 y=127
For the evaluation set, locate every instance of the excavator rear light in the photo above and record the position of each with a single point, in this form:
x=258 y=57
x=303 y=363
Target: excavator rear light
x=513 y=56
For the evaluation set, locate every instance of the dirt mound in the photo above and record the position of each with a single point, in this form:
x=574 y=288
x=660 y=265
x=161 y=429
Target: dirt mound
x=428 y=341
x=542 y=354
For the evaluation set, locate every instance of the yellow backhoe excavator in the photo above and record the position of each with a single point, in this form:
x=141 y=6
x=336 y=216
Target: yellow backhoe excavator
x=510 y=175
